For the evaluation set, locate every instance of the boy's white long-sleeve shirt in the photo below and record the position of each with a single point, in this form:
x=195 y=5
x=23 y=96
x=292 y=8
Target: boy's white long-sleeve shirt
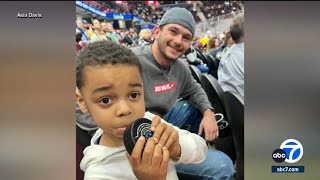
x=101 y=162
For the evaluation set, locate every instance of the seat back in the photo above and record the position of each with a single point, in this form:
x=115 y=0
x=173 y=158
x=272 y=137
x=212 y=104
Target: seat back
x=216 y=62
x=214 y=93
x=216 y=97
x=196 y=73
x=83 y=140
x=235 y=111
x=79 y=156
x=201 y=56
x=78 y=48
x=213 y=65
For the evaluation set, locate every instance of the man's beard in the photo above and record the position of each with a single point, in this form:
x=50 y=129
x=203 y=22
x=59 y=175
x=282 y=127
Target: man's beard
x=162 y=46
x=162 y=51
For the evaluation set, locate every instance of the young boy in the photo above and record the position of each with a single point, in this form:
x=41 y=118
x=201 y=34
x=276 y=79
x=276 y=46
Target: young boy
x=110 y=88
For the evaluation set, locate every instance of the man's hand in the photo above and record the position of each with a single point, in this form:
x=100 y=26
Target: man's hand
x=150 y=162
x=166 y=136
x=209 y=125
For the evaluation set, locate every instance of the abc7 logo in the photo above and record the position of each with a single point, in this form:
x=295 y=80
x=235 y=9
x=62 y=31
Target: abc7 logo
x=279 y=155
x=291 y=151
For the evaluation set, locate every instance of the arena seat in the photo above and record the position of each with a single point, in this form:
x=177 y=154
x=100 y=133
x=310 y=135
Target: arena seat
x=201 y=56
x=235 y=111
x=196 y=73
x=213 y=65
x=83 y=140
x=214 y=92
x=79 y=156
x=216 y=97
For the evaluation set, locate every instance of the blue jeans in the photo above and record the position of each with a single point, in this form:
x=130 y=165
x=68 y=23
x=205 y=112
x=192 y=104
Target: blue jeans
x=184 y=116
x=217 y=165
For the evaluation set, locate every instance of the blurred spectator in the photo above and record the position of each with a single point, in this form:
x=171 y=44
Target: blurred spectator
x=104 y=29
x=203 y=41
x=118 y=34
x=212 y=44
x=192 y=58
x=216 y=50
x=228 y=41
x=80 y=29
x=209 y=35
x=231 y=67
x=145 y=37
x=97 y=36
x=87 y=27
x=79 y=43
x=110 y=32
x=135 y=37
x=127 y=39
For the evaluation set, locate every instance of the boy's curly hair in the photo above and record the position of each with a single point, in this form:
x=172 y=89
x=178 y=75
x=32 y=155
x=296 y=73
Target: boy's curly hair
x=102 y=53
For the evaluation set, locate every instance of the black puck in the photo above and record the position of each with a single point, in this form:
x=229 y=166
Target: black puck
x=140 y=127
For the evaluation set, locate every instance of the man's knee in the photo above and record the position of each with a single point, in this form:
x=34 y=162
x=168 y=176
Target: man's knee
x=221 y=165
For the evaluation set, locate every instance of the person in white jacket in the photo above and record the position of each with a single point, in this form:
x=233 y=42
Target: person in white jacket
x=110 y=88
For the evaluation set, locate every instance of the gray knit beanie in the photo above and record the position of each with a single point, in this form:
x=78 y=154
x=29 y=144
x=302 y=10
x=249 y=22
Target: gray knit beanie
x=179 y=16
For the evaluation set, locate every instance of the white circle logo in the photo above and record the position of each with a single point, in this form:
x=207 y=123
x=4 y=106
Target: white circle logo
x=293 y=149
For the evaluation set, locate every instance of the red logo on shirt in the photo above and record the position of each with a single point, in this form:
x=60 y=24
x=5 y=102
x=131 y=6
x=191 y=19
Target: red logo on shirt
x=164 y=87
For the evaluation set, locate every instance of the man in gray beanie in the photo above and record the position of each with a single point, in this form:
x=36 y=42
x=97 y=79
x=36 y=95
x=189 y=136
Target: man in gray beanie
x=166 y=79
x=179 y=16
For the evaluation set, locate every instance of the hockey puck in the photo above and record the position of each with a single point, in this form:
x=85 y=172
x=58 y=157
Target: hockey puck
x=140 y=127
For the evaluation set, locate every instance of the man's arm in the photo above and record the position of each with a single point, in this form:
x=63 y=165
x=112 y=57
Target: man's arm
x=199 y=100
x=194 y=92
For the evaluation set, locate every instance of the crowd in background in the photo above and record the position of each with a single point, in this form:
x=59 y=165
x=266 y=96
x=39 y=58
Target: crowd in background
x=97 y=30
x=154 y=12
x=100 y=30
x=219 y=8
x=210 y=43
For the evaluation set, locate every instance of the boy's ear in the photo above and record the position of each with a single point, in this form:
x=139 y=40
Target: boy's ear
x=81 y=102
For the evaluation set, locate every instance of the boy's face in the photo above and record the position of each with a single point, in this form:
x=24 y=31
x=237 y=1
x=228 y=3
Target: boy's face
x=114 y=96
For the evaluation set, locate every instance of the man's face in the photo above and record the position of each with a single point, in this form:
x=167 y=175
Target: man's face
x=216 y=42
x=104 y=27
x=96 y=24
x=230 y=42
x=114 y=96
x=110 y=27
x=173 y=40
x=79 y=24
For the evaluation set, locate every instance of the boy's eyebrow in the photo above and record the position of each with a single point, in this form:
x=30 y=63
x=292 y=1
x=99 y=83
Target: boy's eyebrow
x=103 y=88
x=135 y=85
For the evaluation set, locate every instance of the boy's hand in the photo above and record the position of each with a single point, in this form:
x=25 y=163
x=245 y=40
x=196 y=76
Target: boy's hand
x=166 y=136
x=150 y=162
